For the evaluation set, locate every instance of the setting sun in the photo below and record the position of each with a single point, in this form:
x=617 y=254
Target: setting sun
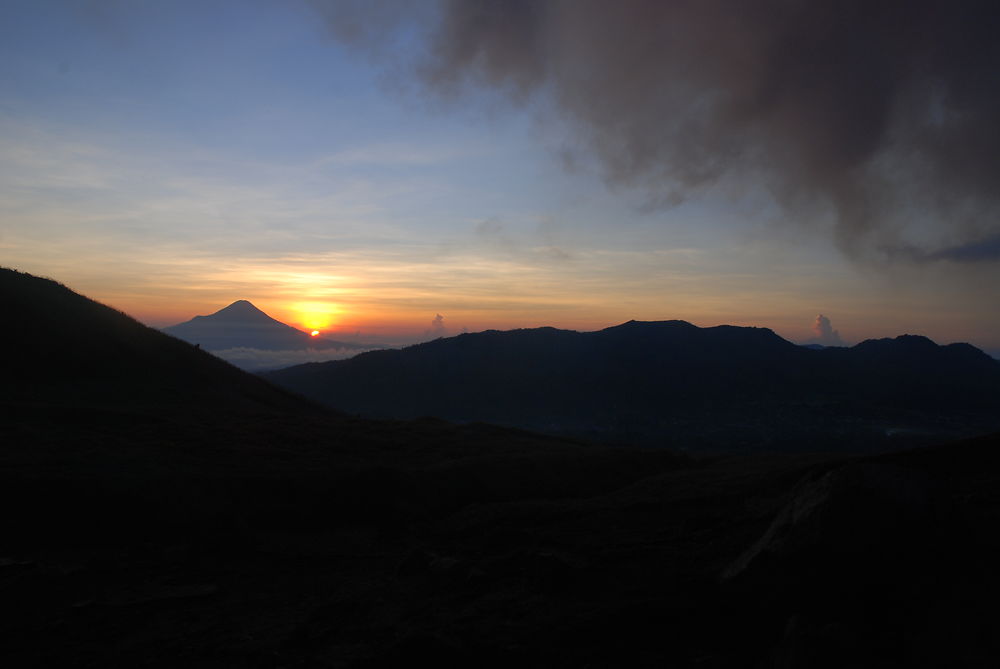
x=315 y=316
x=314 y=333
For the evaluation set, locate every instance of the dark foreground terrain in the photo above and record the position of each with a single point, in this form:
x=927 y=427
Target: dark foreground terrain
x=163 y=509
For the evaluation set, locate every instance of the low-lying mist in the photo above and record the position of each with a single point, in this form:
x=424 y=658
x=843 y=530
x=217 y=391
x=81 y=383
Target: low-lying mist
x=259 y=360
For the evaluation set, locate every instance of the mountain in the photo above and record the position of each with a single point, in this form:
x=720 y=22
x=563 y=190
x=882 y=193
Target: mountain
x=65 y=349
x=673 y=383
x=103 y=417
x=242 y=325
x=166 y=509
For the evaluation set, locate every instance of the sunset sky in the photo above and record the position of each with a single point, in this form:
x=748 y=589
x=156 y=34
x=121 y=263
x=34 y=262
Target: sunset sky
x=375 y=168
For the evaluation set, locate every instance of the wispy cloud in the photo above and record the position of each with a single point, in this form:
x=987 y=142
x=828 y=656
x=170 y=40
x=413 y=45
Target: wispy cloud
x=978 y=251
x=392 y=154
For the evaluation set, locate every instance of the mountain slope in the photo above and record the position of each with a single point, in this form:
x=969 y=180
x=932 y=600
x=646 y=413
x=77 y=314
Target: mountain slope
x=231 y=525
x=669 y=382
x=242 y=325
x=120 y=402
x=73 y=350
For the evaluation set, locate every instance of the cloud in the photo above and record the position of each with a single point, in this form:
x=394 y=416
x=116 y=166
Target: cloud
x=437 y=326
x=982 y=250
x=882 y=114
x=490 y=227
x=494 y=234
x=825 y=334
x=259 y=360
x=540 y=248
x=409 y=155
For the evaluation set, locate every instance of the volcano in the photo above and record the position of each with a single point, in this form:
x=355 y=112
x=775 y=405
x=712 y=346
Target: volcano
x=242 y=325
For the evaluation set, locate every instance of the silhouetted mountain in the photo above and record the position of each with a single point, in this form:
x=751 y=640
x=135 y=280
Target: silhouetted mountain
x=63 y=348
x=164 y=509
x=671 y=382
x=242 y=325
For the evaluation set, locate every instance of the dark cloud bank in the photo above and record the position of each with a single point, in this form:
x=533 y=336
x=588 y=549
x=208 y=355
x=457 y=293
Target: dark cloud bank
x=884 y=113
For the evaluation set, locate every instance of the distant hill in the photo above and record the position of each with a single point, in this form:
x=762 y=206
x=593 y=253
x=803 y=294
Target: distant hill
x=673 y=383
x=242 y=325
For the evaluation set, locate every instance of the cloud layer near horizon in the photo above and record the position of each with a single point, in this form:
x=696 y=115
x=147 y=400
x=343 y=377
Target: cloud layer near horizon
x=879 y=117
x=259 y=360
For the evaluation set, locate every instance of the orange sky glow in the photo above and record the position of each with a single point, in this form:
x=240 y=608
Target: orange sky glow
x=394 y=295
x=400 y=306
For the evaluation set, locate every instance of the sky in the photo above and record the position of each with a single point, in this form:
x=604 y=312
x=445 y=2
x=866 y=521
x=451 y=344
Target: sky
x=394 y=171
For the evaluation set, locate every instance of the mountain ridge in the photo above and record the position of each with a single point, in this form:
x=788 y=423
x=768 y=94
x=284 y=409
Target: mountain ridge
x=240 y=309
x=158 y=519
x=643 y=379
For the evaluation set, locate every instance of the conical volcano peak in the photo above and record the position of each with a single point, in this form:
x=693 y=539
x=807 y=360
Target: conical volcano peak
x=239 y=324
x=242 y=325
x=240 y=308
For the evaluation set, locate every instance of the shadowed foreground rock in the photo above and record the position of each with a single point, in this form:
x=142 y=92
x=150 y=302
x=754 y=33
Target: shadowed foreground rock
x=876 y=563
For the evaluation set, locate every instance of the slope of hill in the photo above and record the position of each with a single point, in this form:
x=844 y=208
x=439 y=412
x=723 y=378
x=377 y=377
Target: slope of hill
x=242 y=325
x=671 y=382
x=120 y=411
x=63 y=349
x=164 y=509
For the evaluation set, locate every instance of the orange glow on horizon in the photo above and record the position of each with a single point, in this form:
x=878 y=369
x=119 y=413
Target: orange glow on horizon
x=315 y=316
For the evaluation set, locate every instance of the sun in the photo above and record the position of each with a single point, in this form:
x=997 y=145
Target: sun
x=315 y=316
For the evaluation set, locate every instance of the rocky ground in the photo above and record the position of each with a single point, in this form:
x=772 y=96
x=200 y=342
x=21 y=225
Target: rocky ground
x=561 y=558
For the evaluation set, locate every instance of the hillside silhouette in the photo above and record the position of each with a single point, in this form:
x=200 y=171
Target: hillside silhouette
x=163 y=508
x=673 y=383
x=65 y=349
x=242 y=325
